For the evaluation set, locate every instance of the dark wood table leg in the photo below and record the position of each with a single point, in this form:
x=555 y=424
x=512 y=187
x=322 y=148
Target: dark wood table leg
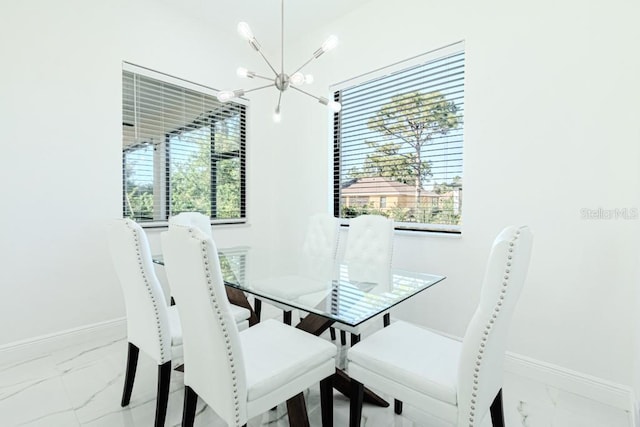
x=297 y=411
x=316 y=325
x=342 y=383
x=238 y=298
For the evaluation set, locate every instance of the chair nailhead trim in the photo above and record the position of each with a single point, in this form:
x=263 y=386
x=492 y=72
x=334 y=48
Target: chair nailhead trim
x=156 y=309
x=488 y=328
x=225 y=331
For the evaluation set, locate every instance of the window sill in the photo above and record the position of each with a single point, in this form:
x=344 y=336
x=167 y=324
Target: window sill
x=216 y=223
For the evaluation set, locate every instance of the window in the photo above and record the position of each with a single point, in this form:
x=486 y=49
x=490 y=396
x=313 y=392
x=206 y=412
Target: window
x=399 y=138
x=182 y=150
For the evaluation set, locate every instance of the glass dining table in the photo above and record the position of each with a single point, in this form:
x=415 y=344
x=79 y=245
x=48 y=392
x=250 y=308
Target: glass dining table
x=324 y=290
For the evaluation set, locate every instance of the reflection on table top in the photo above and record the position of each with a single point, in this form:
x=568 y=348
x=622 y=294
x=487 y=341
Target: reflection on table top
x=330 y=289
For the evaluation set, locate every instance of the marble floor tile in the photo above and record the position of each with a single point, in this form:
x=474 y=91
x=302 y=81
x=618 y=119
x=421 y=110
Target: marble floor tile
x=42 y=402
x=81 y=385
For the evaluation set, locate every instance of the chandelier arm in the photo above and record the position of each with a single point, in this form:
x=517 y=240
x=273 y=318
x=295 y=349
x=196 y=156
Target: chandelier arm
x=281 y=38
x=306 y=93
x=262 y=77
x=258 y=88
x=279 y=99
x=304 y=65
x=275 y=73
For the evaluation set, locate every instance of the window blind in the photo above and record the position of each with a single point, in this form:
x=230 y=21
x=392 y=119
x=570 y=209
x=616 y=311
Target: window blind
x=183 y=151
x=398 y=145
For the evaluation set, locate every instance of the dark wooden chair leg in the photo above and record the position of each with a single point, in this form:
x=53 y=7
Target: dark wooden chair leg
x=332 y=332
x=297 y=411
x=189 y=407
x=343 y=338
x=497 y=411
x=355 y=339
x=355 y=410
x=397 y=406
x=286 y=316
x=132 y=364
x=326 y=401
x=386 y=319
x=164 y=380
x=257 y=307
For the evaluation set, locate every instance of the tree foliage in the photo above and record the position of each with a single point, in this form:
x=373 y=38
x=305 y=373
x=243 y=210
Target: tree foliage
x=407 y=123
x=190 y=177
x=445 y=187
x=191 y=180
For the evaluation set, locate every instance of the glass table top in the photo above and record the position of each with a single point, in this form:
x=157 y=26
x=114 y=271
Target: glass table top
x=347 y=293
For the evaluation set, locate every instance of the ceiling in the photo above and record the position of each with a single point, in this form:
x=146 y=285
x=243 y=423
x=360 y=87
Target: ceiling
x=264 y=15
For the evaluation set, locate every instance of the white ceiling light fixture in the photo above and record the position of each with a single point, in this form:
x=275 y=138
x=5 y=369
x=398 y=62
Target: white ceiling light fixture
x=281 y=80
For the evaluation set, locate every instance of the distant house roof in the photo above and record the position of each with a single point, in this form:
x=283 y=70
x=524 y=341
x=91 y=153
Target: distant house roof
x=380 y=186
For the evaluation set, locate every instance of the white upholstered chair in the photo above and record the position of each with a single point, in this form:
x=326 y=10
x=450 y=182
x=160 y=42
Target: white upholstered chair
x=368 y=255
x=152 y=325
x=194 y=219
x=457 y=383
x=318 y=258
x=238 y=374
x=203 y=223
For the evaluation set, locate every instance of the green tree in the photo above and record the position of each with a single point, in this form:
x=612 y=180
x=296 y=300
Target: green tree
x=444 y=187
x=388 y=161
x=191 y=177
x=191 y=183
x=408 y=122
x=138 y=191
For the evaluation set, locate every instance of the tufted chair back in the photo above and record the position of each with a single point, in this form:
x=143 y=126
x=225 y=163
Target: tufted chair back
x=369 y=248
x=320 y=246
x=193 y=219
x=147 y=318
x=211 y=342
x=484 y=344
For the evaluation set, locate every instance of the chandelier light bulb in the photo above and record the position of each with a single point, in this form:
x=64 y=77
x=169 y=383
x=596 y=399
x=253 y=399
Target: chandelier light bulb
x=297 y=79
x=277 y=117
x=308 y=79
x=245 y=31
x=244 y=73
x=329 y=44
x=334 y=106
x=225 y=95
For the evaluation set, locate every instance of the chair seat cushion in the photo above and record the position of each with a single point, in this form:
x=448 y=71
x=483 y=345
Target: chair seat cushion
x=174 y=325
x=415 y=357
x=239 y=313
x=275 y=354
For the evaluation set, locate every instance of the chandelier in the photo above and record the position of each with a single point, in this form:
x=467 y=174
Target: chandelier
x=281 y=81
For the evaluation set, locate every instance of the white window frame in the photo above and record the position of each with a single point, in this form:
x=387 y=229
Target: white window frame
x=160 y=165
x=381 y=73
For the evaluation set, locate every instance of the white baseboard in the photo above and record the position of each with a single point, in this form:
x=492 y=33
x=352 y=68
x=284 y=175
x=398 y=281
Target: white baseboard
x=598 y=389
x=635 y=411
x=45 y=344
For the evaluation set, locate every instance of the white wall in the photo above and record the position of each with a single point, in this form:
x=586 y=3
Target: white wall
x=60 y=167
x=550 y=128
x=551 y=107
